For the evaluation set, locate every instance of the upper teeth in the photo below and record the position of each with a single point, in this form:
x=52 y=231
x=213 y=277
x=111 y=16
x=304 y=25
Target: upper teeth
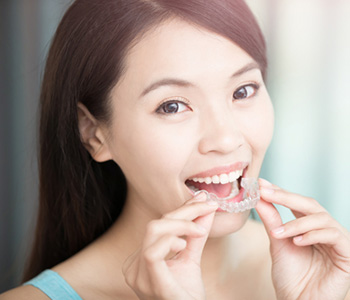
x=222 y=178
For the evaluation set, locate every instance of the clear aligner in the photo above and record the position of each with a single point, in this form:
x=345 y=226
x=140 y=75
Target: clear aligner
x=251 y=197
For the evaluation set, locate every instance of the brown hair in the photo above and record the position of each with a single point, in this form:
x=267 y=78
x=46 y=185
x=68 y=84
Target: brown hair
x=80 y=198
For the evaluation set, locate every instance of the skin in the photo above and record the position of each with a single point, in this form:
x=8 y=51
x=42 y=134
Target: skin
x=170 y=245
x=310 y=255
x=209 y=131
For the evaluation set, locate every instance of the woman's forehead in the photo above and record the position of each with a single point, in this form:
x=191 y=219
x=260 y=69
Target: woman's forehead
x=180 y=50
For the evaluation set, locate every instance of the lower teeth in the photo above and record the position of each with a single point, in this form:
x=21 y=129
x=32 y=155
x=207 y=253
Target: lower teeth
x=250 y=198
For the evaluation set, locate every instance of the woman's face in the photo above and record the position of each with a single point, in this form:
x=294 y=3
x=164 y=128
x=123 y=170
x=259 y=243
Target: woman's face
x=191 y=104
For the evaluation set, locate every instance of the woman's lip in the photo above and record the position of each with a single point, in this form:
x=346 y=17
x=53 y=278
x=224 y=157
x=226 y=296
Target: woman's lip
x=221 y=170
x=235 y=199
x=243 y=176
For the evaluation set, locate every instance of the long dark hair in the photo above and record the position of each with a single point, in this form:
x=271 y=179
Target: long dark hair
x=80 y=198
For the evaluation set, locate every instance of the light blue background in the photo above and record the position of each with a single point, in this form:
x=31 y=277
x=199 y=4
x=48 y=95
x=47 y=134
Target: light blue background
x=309 y=80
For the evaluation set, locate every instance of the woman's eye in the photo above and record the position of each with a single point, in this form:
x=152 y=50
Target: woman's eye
x=172 y=107
x=246 y=91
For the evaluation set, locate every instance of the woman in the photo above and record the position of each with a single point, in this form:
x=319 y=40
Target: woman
x=142 y=102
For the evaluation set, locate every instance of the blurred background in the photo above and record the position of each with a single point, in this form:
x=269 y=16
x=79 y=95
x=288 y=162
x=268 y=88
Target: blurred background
x=309 y=80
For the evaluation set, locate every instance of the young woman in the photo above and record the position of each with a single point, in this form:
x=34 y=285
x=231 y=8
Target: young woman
x=142 y=100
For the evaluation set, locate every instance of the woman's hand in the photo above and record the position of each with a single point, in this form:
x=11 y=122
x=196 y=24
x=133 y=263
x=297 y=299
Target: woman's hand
x=167 y=266
x=311 y=254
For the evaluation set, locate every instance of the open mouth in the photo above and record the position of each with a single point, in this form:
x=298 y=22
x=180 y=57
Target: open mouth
x=225 y=186
x=233 y=191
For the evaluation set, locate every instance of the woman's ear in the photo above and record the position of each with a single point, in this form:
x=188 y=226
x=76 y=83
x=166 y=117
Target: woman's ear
x=92 y=136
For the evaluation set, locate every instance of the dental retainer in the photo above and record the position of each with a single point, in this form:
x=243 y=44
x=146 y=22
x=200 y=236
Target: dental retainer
x=251 y=196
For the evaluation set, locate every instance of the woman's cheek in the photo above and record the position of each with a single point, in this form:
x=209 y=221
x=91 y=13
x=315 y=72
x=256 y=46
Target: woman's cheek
x=268 y=118
x=256 y=124
x=167 y=145
x=262 y=125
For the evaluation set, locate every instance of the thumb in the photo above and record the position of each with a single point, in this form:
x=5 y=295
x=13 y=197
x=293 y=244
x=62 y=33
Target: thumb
x=195 y=245
x=271 y=219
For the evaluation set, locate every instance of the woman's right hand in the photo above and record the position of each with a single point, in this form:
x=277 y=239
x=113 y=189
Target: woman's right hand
x=167 y=265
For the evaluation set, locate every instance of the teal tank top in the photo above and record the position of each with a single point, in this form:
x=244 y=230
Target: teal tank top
x=54 y=286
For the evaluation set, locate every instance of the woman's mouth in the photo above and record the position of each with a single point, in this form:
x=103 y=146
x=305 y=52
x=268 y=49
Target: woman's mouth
x=225 y=186
x=232 y=191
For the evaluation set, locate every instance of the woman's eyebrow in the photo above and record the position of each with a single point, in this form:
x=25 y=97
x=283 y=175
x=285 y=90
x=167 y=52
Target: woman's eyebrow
x=183 y=83
x=248 y=67
x=166 y=81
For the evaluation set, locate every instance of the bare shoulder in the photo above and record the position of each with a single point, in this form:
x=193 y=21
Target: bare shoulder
x=26 y=292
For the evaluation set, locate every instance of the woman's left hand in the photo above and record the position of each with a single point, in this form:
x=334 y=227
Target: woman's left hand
x=311 y=254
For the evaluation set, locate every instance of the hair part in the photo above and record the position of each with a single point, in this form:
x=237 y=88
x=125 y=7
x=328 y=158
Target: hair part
x=80 y=198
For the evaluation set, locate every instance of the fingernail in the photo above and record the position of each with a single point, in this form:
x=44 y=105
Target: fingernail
x=278 y=230
x=266 y=191
x=265 y=182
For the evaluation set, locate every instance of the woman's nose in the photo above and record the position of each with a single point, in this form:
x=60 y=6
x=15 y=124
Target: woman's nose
x=220 y=134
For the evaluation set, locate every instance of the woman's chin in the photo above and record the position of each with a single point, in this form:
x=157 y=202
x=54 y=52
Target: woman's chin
x=226 y=223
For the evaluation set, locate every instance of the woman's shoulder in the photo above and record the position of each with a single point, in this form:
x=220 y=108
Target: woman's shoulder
x=48 y=285
x=26 y=292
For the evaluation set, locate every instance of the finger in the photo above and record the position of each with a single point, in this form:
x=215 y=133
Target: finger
x=154 y=257
x=271 y=219
x=195 y=246
x=305 y=224
x=328 y=236
x=297 y=214
x=264 y=183
x=193 y=209
x=305 y=200
x=157 y=228
x=269 y=215
x=148 y=270
x=199 y=197
x=162 y=247
x=295 y=202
